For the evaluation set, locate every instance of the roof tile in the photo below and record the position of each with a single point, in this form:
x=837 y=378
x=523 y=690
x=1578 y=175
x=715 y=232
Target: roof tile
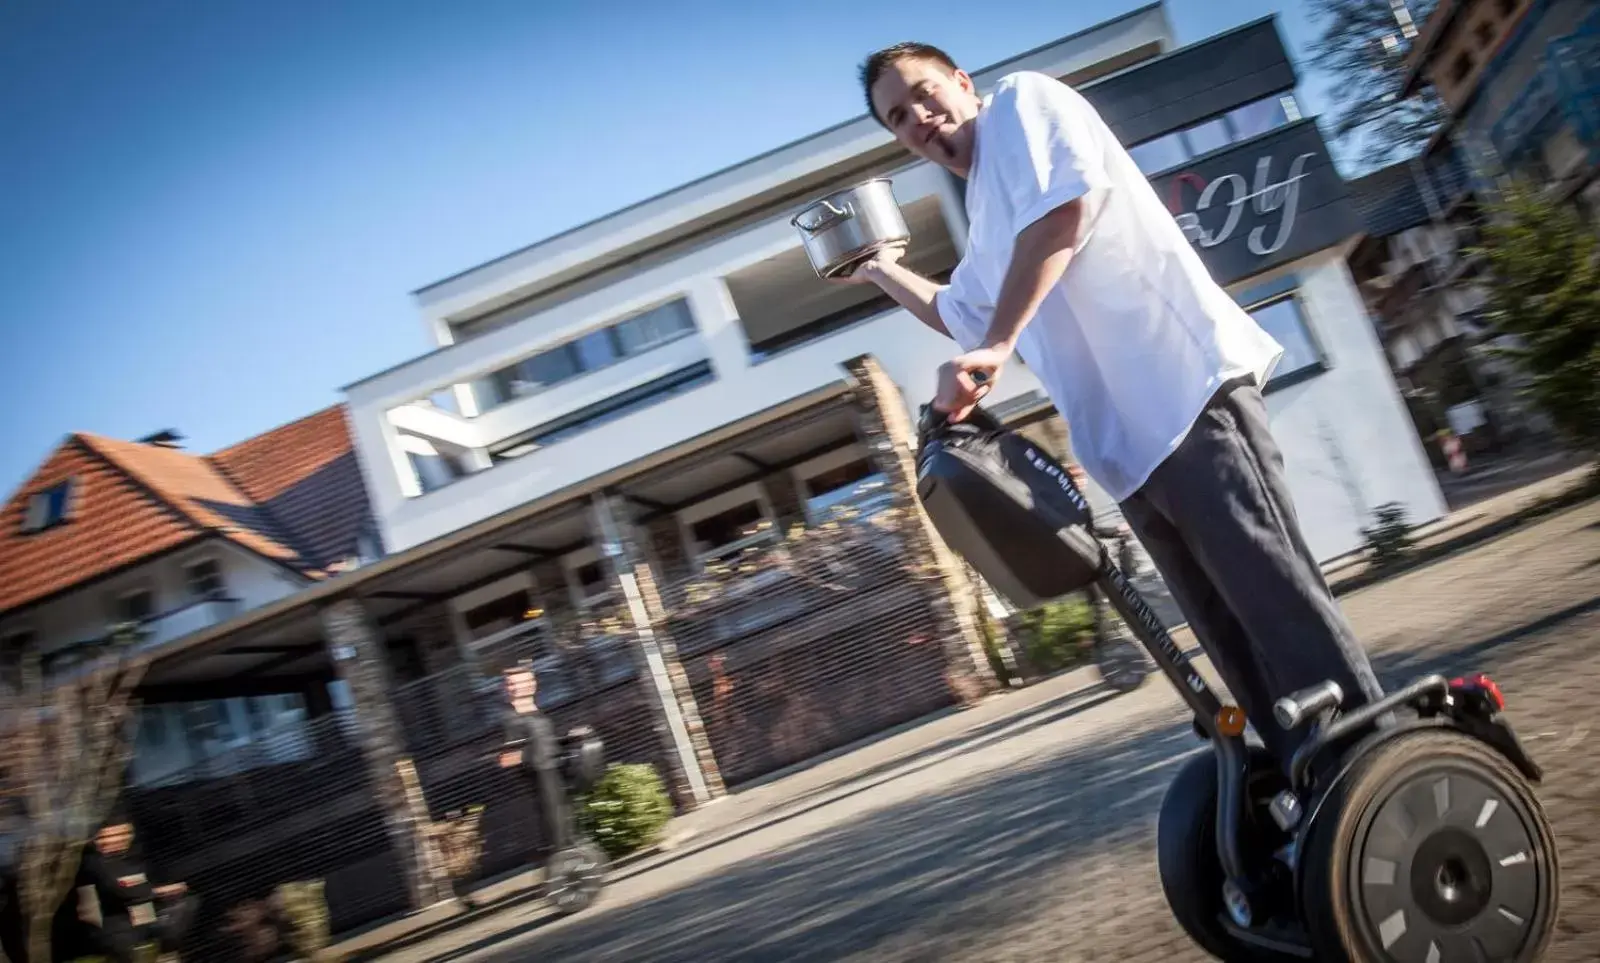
x=294 y=495
x=110 y=523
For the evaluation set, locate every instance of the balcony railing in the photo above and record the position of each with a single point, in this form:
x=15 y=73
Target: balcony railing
x=154 y=632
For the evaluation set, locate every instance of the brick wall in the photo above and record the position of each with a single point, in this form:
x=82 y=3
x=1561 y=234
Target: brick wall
x=785 y=498
x=666 y=541
x=891 y=440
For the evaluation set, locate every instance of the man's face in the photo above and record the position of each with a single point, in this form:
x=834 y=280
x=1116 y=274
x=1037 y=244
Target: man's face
x=114 y=839
x=521 y=684
x=930 y=110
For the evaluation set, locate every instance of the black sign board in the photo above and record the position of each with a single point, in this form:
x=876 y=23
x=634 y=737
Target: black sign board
x=1262 y=203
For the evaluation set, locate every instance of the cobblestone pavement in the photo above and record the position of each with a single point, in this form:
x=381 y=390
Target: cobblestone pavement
x=1038 y=843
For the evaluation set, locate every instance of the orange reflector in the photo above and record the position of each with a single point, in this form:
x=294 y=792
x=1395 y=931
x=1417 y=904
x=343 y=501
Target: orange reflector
x=1230 y=721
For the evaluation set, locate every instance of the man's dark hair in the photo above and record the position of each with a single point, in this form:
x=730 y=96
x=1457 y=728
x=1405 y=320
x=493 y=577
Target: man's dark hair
x=880 y=60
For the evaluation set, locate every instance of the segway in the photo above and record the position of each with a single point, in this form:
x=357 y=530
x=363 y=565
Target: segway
x=575 y=873
x=1404 y=830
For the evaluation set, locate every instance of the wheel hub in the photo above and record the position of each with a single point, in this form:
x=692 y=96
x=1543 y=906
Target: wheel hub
x=1452 y=880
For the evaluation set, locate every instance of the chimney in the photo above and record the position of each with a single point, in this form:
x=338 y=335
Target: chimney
x=165 y=438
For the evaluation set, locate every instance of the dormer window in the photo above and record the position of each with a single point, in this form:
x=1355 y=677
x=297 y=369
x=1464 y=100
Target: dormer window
x=47 y=508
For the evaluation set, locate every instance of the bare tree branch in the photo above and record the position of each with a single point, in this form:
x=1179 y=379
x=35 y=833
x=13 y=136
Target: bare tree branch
x=66 y=756
x=1361 y=45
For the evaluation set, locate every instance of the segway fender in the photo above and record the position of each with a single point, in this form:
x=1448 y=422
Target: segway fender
x=1496 y=732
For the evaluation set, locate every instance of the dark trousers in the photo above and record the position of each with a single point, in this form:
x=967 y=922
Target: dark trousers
x=555 y=806
x=1220 y=526
x=119 y=939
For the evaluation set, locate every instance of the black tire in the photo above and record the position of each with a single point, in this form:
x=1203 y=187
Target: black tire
x=1191 y=870
x=575 y=877
x=1118 y=656
x=1392 y=857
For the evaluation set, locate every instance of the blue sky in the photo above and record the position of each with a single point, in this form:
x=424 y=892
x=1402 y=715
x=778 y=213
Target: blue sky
x=212 y=214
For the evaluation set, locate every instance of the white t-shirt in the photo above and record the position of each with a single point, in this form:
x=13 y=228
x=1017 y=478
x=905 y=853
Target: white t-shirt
x=1137 y=336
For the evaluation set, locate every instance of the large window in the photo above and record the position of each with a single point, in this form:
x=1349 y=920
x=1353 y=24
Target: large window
x=1239 y=124
x=591 y=352
x=179 y=742
x=617 y=406
x=1283 y=318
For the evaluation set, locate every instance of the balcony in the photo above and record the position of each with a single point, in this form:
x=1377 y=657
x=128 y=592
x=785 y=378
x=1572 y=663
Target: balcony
x=191 y=618
x=157 y=631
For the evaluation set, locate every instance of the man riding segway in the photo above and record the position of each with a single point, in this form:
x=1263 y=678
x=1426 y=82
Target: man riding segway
x=558 y=769
x=1073 y=262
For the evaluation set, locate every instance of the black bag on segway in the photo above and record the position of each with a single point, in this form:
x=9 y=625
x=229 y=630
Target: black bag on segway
x=583 y=759
x=1006 y=507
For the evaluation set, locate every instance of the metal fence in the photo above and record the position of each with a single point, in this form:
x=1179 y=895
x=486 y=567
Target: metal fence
x=240 y=824
x=792 y=647
x=799 y=646
x=453 y=725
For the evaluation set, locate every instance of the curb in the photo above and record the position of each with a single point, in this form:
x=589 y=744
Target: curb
x=1580 y=494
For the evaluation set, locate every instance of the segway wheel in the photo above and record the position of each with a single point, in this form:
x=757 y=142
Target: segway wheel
x=1121 y=662
x=1186 y=853
x=1431 y=848
x=576 y=875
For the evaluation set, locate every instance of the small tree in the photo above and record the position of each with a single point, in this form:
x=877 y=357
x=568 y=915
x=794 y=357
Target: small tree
x=1544 y=292
x=66 y=753
x=1363 y=44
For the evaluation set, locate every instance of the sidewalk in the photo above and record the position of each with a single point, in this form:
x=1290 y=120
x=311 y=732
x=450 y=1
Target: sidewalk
x=858 y=768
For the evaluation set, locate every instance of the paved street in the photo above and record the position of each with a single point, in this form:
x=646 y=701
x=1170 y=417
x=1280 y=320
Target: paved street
x=1035 y=841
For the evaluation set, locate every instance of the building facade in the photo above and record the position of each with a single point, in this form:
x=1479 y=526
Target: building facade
x=1520 y=84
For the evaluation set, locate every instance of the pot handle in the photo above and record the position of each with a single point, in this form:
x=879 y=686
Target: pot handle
x=833 y=215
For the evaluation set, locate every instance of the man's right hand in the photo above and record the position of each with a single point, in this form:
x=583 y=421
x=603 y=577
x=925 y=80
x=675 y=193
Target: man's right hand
x=870 y=270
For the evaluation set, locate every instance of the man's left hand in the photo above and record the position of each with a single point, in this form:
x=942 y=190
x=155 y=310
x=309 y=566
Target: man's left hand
x=958 y=390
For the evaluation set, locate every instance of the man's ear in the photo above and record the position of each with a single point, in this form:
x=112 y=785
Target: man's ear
x=965 y=79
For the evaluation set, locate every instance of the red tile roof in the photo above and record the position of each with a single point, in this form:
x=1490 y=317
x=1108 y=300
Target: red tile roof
x=293 y=495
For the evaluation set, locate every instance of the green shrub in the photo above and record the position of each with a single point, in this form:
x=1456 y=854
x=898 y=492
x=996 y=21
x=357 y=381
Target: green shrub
x=1389 y=539
x=1058 y=635
x=307 y=909
x=627 y=809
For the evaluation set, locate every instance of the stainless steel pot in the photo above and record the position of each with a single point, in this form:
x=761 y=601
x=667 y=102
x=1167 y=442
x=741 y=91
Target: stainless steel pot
x=846 y=227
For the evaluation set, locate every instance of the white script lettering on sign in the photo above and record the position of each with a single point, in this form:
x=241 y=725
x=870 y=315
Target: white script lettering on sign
x=1267 y=197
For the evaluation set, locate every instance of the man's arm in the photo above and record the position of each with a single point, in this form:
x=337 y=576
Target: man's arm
x=1038 y=259
x=909 y=289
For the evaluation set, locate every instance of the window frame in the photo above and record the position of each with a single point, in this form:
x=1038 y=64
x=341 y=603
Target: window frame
x=1229 y=125
x=36 y=513
x=801 y=475
x=1289 y=290
x=688 y=517
x=143 y=586
x=571 y=563
x=501 y=378
x=201 y=558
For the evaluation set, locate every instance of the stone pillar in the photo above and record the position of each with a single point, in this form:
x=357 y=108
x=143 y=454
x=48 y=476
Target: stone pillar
x=890 y=437
x=358 y=657
x=692 y=773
